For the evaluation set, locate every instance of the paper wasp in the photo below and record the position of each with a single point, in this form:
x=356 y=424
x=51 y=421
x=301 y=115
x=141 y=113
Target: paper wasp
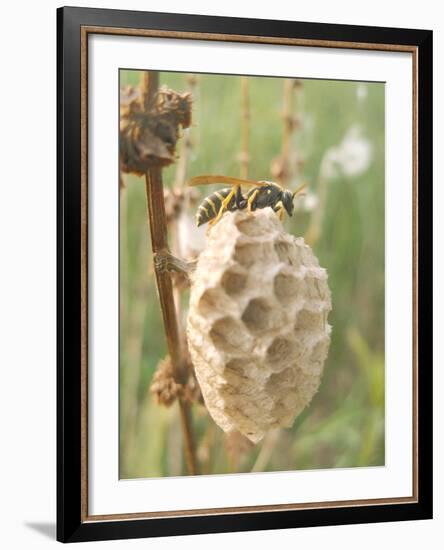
x=261 y=195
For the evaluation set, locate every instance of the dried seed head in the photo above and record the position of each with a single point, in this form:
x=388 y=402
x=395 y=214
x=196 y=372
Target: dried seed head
x=282 y=167
x=176 y=200
x=170 y=103
x=257 y=326
x=148 y=137
x=167 y=390
x=163 y=386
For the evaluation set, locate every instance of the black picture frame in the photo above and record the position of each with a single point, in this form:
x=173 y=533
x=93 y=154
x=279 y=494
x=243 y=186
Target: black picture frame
x=72 y=525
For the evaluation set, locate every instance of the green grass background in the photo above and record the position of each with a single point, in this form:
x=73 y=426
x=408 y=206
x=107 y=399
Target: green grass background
x=344 y=424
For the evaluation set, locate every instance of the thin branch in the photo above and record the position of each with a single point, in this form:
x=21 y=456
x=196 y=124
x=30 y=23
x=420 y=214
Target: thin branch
x=280 y=164
x=287 y=130
x=314 y=229
x=245 y=128
x=159 y=241
x=148 y=87
x=186 y=145
x=268 y=446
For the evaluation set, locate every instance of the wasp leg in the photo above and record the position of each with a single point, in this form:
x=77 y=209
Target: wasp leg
x=279 y=209
x=251 y=199
x=224 y=205
x=241 y=202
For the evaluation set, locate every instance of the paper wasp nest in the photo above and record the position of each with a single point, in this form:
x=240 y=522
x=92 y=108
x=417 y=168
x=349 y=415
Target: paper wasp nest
x=257 y=325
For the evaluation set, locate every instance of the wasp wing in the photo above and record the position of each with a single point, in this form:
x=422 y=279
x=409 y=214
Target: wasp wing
x=210 y=179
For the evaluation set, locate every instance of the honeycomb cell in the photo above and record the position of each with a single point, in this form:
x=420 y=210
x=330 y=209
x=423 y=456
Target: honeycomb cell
x=209 y=301
x=227 y=335
x=309 y=321
x=279 y=381
x=282 y=249
x=238 y=365
x=280 y=352
x=320 y=351
x=234 y=380
x=234 y=282
x=286 y=287
x=249 y=227
x=247 y=254
x=258 y=315
x=313 y=288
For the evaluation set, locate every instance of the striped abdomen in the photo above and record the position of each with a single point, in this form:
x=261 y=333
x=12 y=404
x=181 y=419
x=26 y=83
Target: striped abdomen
x=211 y=205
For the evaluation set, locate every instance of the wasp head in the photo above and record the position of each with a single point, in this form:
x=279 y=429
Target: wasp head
x=287 y=201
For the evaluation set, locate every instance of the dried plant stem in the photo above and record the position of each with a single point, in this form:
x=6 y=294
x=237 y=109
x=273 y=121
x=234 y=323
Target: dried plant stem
x=186 y=144
x=287 y=131
x=159 y=241
x=268 y=446
x=148 y=87
x=245 y=128
x=182 y=164
x=315 y=226
x=287 y=116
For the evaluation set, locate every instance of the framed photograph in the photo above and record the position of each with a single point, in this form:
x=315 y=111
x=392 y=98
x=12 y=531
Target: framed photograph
x=244 y=274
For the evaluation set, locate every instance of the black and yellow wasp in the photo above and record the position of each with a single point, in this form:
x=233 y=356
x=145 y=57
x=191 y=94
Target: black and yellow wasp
x=261 y=195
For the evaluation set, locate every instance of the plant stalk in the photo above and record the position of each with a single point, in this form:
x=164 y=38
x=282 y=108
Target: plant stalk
x=245 y=128
x=287 y=131
x=159 y=241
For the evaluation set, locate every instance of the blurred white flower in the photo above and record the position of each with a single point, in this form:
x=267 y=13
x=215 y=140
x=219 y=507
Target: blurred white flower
x=350 y=158
x=190 y=238
x=310 y=201
x=361 y=92
x=306 y=202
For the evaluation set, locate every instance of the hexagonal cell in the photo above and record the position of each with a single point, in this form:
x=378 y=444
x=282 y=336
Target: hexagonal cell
x=258 y=315
x=286 y=287
x=287 y=253
x=282 y=250
x=229 y=336
x=308 y=388
x=248 y=425
x=238 y=385
x=322 y=286
x=280 y=353
x=281 y=413
x=308 y=320
x=316 y=288
x=233 y=282
x=237 y=365
x=320 y=351
x=302 y=344
x=253 y=369
x=247 y=254
x=209 y=301
x=279 y=381
x=308 y=258
x=249 y=227
x=290 y=400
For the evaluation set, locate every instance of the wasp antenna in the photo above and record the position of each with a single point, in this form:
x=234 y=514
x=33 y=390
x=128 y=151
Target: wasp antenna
x=299 y=189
